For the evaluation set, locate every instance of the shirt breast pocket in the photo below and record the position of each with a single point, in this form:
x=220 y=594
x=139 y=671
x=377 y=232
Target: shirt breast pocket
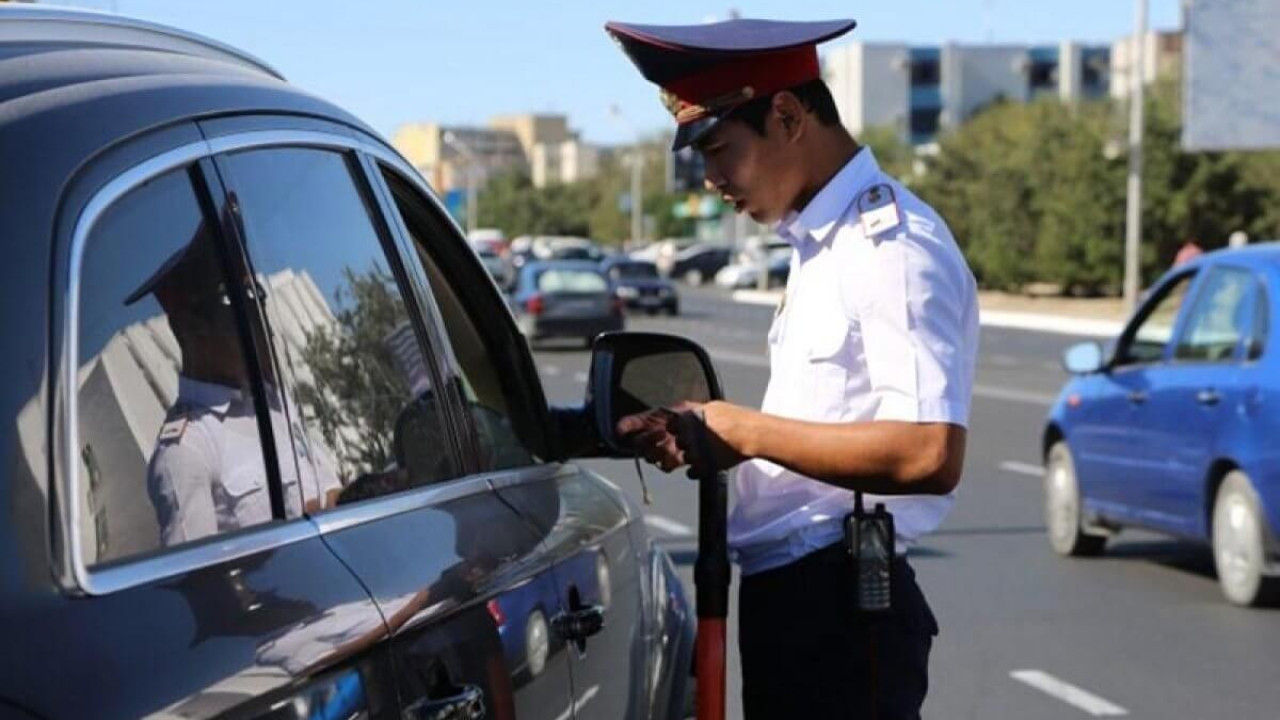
x=827 y=375
x=249 y=503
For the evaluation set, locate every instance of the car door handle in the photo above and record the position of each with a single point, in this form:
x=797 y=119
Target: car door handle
x=1208 y=396
x=579 y=625
x=1137 y=397
x=468 y=704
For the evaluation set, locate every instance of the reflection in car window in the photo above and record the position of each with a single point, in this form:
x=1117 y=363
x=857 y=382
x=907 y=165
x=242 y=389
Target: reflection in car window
x=366 y=419
x=1219 y=319
x=169 y=446
x=571 y=281
x=1152 y=336
x=491 y=402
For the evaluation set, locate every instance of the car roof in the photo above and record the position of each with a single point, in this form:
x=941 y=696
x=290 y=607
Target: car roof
x=1263 y=253
x=75 y=84
x=43 y=25
x=562 y=265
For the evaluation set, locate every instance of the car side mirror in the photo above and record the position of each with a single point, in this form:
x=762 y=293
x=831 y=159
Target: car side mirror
x=1083 y=358
x=632 y=372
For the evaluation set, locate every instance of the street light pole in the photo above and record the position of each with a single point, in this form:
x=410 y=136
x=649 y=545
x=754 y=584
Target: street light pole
x=637 y=178
x=472 y=162
x=1133 y=200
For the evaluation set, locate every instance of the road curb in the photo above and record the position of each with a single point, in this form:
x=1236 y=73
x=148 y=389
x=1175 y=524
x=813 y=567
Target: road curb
x=1038 y=322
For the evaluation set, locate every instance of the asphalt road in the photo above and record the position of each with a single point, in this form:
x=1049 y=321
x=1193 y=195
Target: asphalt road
x=1141 y=631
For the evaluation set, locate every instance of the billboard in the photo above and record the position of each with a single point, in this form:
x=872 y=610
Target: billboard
x=1232 y=75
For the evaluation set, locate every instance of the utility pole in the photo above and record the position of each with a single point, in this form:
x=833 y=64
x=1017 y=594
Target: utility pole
x=1133 y=199
x=472 y=162
x=637 y=177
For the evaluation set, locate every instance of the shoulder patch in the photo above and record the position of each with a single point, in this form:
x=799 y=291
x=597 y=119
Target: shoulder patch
x=878 y=210
x=173 y=429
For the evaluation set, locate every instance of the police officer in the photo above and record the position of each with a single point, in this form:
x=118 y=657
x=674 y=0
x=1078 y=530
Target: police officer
x=872 y=357
x=207 y=474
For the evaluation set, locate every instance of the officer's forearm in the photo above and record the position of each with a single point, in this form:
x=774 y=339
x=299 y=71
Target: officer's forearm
x=882 y=457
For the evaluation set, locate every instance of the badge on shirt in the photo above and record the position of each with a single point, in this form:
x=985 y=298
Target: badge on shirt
x=878 y=210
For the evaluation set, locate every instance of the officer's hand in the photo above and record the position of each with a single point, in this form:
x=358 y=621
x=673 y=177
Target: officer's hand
x=669 y=437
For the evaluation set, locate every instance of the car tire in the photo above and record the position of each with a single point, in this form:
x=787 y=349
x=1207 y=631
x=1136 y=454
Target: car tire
x=673 y=310
x=1239 y=552
x=1062 y=507
x=694 y=277
x=537 y=643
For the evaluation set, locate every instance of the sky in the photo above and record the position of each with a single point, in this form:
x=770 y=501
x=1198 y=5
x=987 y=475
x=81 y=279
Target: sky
x=395 y=61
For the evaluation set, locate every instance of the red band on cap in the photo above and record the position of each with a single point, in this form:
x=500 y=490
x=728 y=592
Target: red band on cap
x=764 y=73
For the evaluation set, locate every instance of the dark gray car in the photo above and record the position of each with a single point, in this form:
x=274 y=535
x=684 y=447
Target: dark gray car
x=566 y=299
x=274 y=447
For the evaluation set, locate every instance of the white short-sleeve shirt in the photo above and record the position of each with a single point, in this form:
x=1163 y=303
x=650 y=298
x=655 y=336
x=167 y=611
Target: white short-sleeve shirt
x=879 y=322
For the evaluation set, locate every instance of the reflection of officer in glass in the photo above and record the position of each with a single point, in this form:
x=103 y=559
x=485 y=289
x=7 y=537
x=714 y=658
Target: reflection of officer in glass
x=207 y=474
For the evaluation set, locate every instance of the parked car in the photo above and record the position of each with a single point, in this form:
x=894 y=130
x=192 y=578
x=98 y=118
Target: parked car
x=640 y=286
x=565 y=299
x=498 y=265
x=490 y=239
x=274 y=447
x=1174 y=427
x=699 y=263
x=746 y=275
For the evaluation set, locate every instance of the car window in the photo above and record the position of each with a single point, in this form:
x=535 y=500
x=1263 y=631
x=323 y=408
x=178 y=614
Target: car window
x=169 y=446
x=554 y=280
x=1220 y=318
x=365 y=416
x=504 y=423
x=630 y=271
x=1147 y=342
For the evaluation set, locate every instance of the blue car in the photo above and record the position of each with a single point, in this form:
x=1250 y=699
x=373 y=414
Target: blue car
x=1175 y=426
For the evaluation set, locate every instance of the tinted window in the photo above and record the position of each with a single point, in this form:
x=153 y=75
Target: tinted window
x=1220 y=318
x=634 y=271
x=1149 y=340
x=169 y=444
x=496 y=406
x=553 y=280
x=365 y=416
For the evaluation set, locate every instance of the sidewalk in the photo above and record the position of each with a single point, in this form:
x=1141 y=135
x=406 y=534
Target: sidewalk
x=1094 y=317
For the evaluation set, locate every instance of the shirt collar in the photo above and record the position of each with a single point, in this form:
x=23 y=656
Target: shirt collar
x=214 y=396
x=829 y=206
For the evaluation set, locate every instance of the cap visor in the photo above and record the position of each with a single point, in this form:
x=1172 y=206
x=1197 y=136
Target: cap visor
x=689 y=133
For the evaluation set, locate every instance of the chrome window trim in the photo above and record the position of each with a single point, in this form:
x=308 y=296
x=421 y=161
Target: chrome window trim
x=67 y=402
x=71 y=570
x=215 y=550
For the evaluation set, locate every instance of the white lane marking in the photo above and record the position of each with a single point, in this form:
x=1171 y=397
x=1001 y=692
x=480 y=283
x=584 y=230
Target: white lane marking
x=551 y=370
x=1022 y=468
x=667 y=525
x=1068 y=693
x=1003 y=360
x=983 y=391
x=580 y=377
x=577 y=704
x=1018 y=396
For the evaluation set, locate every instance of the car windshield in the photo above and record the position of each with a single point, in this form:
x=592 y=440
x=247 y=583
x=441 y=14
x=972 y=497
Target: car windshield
x=633 y=271
x=555 y=280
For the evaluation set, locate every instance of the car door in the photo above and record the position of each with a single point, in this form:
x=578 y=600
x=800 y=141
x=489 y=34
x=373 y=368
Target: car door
x=583 y=526
x=1196 y=396
x=443 y=557
x=193 y=584
x=1113 y=437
